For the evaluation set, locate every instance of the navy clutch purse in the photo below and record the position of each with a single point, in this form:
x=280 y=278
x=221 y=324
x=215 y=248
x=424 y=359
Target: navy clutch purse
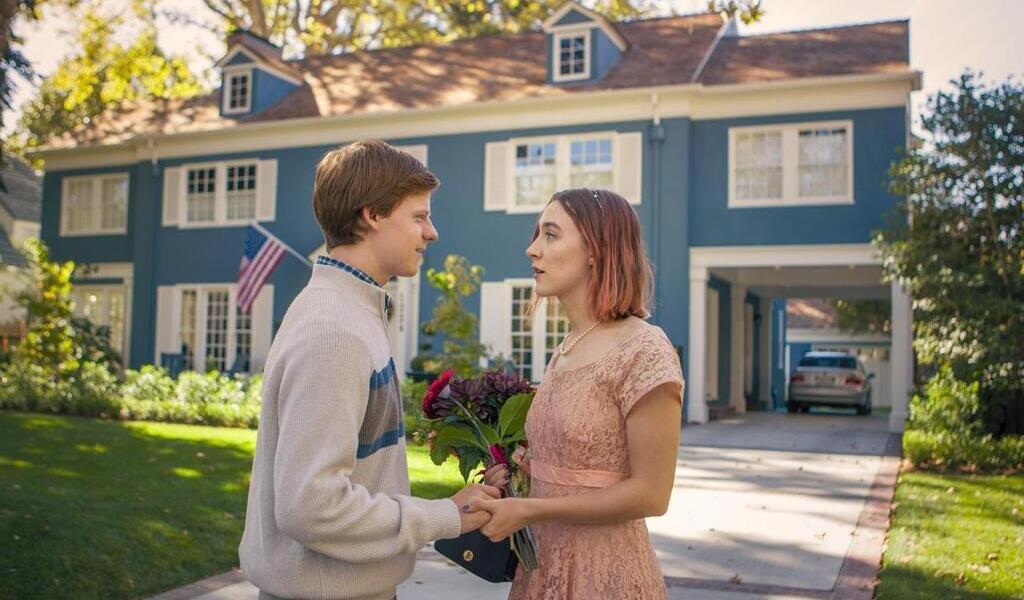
x=491 y=561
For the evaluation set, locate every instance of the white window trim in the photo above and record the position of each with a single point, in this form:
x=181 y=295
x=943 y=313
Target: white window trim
x=96 y=205
x=556 y=40
x=790 y=166
x=124 y=271
x=202 y=302
x=220 y=194
x=229 y=74
x=538 y=328
x=563 y=166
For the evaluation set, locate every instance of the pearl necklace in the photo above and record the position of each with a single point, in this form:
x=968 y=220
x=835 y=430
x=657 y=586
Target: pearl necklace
x=563 y=350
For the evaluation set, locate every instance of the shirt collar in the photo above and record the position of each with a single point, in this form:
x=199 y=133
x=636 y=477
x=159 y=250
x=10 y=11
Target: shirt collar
x=355 y=272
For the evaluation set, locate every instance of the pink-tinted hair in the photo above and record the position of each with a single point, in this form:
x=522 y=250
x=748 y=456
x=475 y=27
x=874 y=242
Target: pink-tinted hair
x=622 y=281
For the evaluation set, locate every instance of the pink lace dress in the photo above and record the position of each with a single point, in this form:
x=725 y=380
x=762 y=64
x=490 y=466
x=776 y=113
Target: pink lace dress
x=577 y=433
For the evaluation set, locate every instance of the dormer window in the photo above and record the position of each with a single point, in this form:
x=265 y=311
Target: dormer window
x=571 y=56
x=238 y=92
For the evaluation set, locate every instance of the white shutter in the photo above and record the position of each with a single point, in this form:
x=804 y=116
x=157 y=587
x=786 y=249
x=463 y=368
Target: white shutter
x=262 y=327
x=496 y=317
x=174 y=188
x=266 y=190
x=168 y=321
x=628 y=156
x=419 y=152
x=496 y=174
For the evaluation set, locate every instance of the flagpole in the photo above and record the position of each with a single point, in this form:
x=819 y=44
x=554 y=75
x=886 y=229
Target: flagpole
x=291 y=250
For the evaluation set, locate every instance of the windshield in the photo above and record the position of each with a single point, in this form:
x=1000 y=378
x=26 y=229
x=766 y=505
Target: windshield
x=841 y=362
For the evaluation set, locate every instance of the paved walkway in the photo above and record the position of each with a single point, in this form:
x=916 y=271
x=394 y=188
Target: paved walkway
x=765 y=506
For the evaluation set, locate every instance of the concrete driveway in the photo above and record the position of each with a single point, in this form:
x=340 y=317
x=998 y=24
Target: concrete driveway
x=765 y=506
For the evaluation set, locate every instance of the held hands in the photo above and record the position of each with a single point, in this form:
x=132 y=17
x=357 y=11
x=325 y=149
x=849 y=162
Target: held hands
x=465 y=499
x=506 y=516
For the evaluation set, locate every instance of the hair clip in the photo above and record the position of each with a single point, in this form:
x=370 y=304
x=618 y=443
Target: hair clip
x=596 y=197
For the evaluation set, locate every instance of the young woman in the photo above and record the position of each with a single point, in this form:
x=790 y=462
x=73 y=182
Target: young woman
x=604 y=426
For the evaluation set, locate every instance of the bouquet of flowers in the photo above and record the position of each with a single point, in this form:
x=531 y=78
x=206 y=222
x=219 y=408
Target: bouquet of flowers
x=482 y=420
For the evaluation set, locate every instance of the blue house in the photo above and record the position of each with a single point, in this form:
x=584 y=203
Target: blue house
x=757 y=165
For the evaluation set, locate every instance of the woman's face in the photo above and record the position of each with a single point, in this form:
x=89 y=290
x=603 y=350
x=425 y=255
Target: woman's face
x=560 y=259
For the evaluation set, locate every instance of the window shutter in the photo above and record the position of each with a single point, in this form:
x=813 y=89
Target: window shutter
x=496 y=317
x=266 y=190
x=168 y=321
x=262 y=327
x=419 y=152
x=496 y=167
x=174 y=191
x=629 y=148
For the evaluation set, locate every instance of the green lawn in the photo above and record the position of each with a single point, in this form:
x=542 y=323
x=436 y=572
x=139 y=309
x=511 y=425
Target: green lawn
x=955 y=536
x=95 y=509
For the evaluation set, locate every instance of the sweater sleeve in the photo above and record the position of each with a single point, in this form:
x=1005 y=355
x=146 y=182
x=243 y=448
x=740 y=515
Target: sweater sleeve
x=322 y=399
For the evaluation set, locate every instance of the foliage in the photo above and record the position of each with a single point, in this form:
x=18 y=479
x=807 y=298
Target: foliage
x=417 y=426
x=102 y=74
x=956 y=241
x=957 y=450
x=94 y=341
x=91 y=390
x=461 y=349
x=948 y=406
x=862 y=316
x=308 y=28
x=748 y=11
x=49 y=340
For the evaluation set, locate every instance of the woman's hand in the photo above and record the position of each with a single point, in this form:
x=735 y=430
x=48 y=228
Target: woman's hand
x=507 y=516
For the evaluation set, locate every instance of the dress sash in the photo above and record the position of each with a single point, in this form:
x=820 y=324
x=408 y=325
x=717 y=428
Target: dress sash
x=574 y=477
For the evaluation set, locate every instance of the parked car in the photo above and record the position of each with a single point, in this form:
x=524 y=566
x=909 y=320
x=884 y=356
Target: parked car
x=830 y=379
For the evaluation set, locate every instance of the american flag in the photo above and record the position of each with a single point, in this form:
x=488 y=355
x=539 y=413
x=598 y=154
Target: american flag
x=263 y=252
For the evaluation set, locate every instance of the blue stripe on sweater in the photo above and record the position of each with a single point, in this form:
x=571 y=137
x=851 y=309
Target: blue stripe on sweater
x=388 y=439
x=379 y=379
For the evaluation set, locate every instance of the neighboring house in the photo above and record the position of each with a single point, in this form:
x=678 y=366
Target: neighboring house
x=20 y=204
x=811 y=326
x=756 y=164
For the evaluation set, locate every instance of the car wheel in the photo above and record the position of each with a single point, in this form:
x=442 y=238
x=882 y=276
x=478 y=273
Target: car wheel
x=792 y=407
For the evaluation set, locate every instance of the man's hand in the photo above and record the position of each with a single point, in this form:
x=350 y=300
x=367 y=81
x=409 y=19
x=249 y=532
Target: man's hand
x=470 y=495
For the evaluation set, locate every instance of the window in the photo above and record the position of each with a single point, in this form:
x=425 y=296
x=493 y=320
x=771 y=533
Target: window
x=95 y=205
x=571 y=56
x=545 y=165
x=238 y=92
x=522 y=330
x=214 y=332
x=241 y=192
x=801 y=164
x=840 y=362
x=536 y=337
x=590 y=163
x=535 y=173
x=104 y=306
x=200 y=197
x=220 y=194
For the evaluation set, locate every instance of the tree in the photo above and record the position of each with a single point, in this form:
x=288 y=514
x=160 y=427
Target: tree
x=461 y=349
x=12 y=61
x=103 y=74
x=862 y=316
x=49 y=341
x=957 y=244
x=748 y=11
x=332 y=27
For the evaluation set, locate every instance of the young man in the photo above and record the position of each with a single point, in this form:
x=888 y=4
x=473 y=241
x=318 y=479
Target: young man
x=330 y=515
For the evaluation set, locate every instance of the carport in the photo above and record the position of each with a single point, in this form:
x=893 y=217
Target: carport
x=741 y=329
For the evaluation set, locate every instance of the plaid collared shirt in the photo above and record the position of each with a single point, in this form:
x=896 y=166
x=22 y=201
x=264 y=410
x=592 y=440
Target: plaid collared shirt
x=358 y=273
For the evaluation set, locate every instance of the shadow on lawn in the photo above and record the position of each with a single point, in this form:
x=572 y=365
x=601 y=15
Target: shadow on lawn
x=92 y=509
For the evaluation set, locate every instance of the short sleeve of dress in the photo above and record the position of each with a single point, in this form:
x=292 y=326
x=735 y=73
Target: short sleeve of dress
x=650 y=361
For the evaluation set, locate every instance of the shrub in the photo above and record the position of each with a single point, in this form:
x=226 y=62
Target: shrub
x=416 y=423
x=951 y=450
x=948 y=405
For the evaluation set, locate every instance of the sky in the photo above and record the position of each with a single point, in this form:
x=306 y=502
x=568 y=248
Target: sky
x=946 y=36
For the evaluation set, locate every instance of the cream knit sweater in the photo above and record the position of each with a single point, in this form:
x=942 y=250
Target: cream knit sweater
x=330 y=515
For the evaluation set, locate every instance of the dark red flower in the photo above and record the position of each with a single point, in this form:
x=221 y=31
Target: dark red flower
x=433 y=400
x=498 y=455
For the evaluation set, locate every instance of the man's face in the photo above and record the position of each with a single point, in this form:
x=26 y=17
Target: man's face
x=404 y=234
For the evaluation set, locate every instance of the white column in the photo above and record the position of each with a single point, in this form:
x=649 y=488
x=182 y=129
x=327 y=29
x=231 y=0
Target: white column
x=765 y=349
x=737 y=296
x=697 y=411
x=901 y=357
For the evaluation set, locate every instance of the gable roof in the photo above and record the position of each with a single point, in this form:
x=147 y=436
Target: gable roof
x=495 y=68
x=23 y=196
